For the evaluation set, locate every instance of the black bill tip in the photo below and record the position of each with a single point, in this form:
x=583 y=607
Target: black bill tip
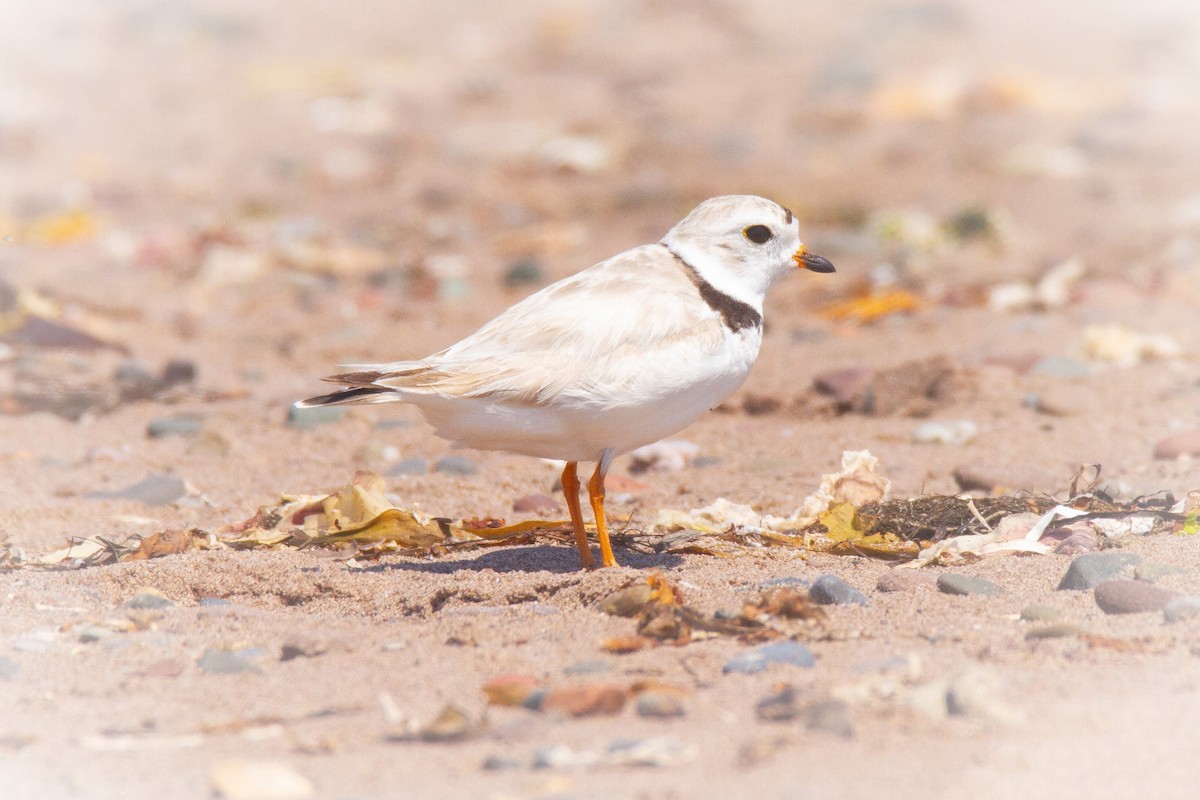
x=815 y=263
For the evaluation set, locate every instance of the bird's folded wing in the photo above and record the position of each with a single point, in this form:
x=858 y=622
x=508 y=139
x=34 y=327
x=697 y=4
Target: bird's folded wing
x=625 y=321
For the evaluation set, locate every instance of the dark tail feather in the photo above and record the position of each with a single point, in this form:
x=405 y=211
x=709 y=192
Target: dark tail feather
x=359 y=395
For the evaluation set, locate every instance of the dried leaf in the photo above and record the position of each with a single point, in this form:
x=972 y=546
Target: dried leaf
x=163 y=543
x=862 y=310
x=842 y=523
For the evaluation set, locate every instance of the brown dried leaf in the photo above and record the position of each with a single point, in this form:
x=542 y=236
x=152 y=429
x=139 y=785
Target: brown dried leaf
x=162 y=543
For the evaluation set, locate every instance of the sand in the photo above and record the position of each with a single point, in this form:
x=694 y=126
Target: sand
x=268 y=191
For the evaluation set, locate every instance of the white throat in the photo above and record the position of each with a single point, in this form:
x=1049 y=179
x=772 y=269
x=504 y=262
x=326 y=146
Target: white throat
x=712 y=269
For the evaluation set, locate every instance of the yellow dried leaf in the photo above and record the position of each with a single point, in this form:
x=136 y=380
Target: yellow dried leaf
x=869 y=308
x=843 y=522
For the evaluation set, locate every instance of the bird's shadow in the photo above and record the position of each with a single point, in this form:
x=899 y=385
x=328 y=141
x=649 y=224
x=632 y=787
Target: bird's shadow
x=532 y=558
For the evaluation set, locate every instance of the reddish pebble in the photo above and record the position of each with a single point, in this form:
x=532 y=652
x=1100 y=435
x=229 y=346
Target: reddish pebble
x=586 y=700
x=536 y=504
x=1131 y=597
x=904 y=580
x=1184 y=443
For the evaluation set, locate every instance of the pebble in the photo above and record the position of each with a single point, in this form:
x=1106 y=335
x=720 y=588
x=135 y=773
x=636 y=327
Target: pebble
x=536 y=504
x=1038 y=613
x=627 y=602
x=302 y=647
x=509 y=690
x=9 y=669
x=1121 y=596
x=904 y=580
x=455 y=465
x=238 y=779
x=526 y=272
x=586 y=700
x=953 y=583
x=990 y=476
x=780 y=706
x=1151 y=571
x=226 y=662
x=847 y=386
x=208 y=443
x=163 y=427
x=1055 y=630
x=660 y=704
x=1184 y=443
x=1091 y=569
x=1061 y=367
x=832 y=590
x=134 y=381
x=497 y=763
x=953 y=432
x=792 y=653
x=1077 y=543
x=593 y=667
x=154 y=490
x=306 y=419
x=149 y=599
x=830 y=716
x=408 y=466
x=669 y=455
x=654 y=752
x=1181 y=608
x=94 y=633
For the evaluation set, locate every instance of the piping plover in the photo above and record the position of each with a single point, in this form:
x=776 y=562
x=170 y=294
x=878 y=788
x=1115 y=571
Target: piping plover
x=612 y=358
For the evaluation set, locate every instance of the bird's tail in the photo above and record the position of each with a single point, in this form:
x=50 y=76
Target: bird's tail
x=361 y=394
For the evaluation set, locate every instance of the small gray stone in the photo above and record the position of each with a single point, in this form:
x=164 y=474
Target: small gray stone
x=9 y=669
x=780 y=706
x=1038 y=613
x=173 y=426
x=94 y=633
x=793 y=653
x=226 y=662
x=593 y=667
x=1151 y=571
x=658 y=704
x=1181 y=608
x=154 y=490
x=1131 y=597
x=1055 y=630
x=904 y=580
x=832 y=590
x=1184 y=443
x=953 y=583
x=526 y=272
x=149 y=600
x=306 y=419
x=1091 y=569
x=408 y=466
x=208 y=602
x=497 y=763
x=455 y=465
x=830 y=716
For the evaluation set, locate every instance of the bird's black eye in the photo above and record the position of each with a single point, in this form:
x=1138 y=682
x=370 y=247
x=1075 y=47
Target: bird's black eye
x=757 y=233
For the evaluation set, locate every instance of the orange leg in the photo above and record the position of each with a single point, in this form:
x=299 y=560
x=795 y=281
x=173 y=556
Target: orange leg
x=570 y=482
x=596 y=495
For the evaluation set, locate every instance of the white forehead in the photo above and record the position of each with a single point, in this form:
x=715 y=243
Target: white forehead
x=733 y=210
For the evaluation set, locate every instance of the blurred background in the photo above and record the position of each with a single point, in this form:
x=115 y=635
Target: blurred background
x=228 y=198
